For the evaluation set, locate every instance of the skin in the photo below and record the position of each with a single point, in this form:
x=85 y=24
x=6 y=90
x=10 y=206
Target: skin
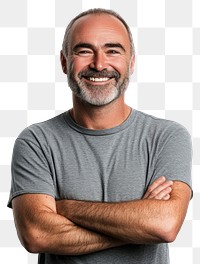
x=99 y=57
x=80 y=227
x=42 y=224
x=134 y=222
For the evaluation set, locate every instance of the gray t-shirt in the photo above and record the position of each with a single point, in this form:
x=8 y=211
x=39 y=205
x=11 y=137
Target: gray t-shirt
x=62 y=159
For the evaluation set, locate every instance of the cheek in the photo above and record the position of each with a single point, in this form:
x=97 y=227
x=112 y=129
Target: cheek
x=80 y=64
x=121 y=65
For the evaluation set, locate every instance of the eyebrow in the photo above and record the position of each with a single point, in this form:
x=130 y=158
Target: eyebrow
x=82 y=45
x=90 y=46
x=115 y=45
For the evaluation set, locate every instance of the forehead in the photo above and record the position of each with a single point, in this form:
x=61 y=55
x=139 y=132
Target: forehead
x=98 y=29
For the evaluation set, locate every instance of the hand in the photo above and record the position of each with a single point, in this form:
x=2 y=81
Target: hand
x=160 y=189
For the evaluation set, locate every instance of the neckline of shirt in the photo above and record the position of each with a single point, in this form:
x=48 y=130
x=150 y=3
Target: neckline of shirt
x=101 y=132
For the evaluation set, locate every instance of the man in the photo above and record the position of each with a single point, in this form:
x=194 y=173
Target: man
x=101 y=183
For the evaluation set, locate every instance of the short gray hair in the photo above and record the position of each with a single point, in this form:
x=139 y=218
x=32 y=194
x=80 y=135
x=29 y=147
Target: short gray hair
x=95 y=11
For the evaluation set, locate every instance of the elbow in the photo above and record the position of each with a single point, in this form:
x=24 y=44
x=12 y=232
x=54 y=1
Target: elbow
x=169 y=236
x=32 y=243
x=169 y=231
x=32 y=247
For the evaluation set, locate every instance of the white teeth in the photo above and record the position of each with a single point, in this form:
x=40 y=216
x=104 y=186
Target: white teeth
x=98 y=79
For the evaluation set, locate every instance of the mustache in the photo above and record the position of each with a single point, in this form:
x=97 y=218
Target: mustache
x=99 y=74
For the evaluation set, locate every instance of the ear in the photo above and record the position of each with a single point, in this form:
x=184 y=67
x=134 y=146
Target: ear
x=132 y=64
x=63 y=61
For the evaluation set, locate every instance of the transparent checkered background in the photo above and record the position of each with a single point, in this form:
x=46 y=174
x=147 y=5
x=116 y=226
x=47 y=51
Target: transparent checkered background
x=166 y=83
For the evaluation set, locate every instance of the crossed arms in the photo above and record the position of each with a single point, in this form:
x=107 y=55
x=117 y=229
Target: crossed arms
x=73 y=227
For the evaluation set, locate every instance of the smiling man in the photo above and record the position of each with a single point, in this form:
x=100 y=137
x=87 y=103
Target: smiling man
x=110 y=62
x=102 y=182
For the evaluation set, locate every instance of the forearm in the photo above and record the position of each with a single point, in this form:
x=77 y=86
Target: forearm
x=57 y=235
x=128 y=221
x=142 y=221
x=42 y=230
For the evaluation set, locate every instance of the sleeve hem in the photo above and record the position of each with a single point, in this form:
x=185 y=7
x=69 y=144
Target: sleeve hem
x=9 y=204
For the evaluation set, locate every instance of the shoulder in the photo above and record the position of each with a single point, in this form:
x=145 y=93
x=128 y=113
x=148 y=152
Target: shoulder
x=159 y=134
x=43 y=132
x=161 y=127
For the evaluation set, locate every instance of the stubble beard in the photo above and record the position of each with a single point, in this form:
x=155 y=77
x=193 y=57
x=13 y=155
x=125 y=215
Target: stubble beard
x=97 y=95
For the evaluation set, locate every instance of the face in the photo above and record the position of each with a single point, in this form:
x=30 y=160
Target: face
x=99 y=60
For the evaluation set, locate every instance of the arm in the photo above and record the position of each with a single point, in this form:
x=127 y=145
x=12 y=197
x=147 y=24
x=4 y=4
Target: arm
x=41 y=229
x=141 y=221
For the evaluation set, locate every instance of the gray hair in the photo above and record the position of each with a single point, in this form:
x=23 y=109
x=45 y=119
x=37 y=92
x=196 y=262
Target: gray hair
x=95 y=11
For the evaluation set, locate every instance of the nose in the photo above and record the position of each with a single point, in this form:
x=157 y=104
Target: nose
x=99 y=61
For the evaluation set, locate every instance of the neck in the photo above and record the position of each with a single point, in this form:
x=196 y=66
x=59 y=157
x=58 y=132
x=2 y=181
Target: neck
x=100 y=117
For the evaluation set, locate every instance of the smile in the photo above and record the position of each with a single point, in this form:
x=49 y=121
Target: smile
x=104 y=79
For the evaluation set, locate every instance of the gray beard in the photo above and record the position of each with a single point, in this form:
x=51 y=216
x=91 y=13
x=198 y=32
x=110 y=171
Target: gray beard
x=97 y=95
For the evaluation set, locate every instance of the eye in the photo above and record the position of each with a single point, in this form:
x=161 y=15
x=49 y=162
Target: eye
x=113 y=52
x=84 y=52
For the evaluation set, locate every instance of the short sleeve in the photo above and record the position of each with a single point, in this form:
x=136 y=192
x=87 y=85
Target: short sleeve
x=30 y=170
x=174 y=156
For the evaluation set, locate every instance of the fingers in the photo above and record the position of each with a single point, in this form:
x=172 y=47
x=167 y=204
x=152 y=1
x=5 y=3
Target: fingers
x=154 y=185
x=162 y=195
x=160 y=189
x=166 y=197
